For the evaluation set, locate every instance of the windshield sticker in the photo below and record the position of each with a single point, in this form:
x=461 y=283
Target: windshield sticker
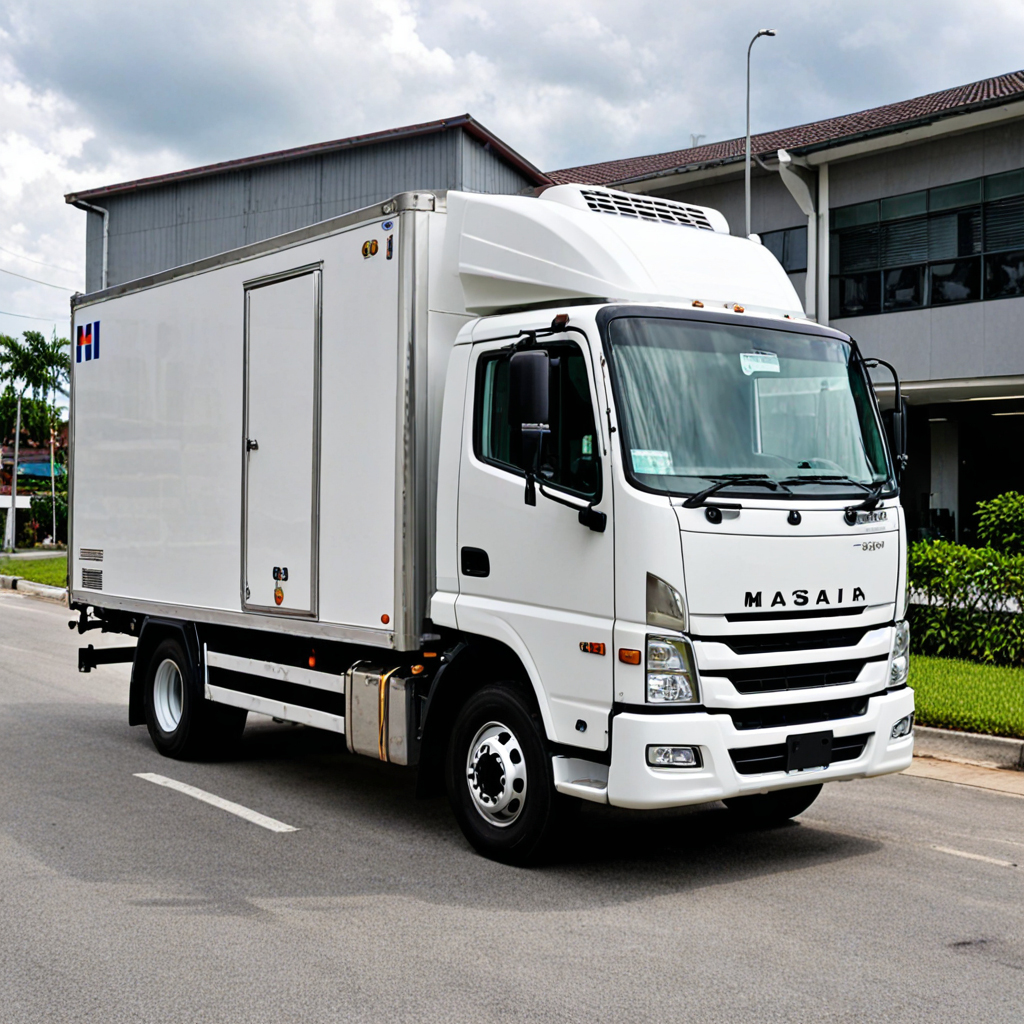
x=655 y=463
x=588 y=444
x=759 y=362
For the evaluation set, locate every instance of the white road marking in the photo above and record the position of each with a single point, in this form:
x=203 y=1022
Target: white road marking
x=975 y=856
x=225 y=805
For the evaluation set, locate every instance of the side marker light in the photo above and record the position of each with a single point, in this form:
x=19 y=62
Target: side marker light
x=628 y=656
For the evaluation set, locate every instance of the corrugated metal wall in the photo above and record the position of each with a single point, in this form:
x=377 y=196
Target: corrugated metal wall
x=167 y=226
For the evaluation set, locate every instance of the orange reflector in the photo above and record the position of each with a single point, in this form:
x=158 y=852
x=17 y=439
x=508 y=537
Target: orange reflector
x=278 y=595
x=630 y=657
x=417 y=669
x=591 y=648
x=312 y=661
x=385 y=618
x=737 y=309
x=430 y=654
x=698 y=303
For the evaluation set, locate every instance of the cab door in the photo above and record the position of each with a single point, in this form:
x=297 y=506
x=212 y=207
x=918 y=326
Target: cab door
x=532 y=575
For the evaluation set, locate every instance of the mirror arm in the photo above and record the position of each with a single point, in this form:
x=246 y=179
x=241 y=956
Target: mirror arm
x=897 y=413
x=588 y=515
x=530 y=497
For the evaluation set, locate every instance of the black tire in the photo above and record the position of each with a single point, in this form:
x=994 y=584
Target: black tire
x=765 y=810
x=484 y=792
x=181 y=722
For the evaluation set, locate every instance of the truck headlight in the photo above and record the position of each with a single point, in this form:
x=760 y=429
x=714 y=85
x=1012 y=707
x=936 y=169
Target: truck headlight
x=671 y=671
x=899 y=667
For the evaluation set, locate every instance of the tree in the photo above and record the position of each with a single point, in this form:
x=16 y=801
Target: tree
x=42 y=367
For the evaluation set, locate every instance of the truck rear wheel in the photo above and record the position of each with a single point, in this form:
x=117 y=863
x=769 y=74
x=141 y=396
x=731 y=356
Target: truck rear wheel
x=764 y=810
x=499 y=778
x=181 y=722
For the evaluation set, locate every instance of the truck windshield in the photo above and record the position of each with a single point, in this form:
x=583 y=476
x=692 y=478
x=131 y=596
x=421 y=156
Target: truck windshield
x=700 y=401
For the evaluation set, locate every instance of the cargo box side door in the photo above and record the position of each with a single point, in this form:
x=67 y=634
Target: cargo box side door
x=281 y=443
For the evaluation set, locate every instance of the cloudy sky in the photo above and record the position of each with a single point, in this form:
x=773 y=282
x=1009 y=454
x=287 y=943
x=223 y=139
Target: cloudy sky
x=98 y=91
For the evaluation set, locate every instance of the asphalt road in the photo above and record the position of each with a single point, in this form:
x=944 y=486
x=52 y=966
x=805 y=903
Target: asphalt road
x=124 y=901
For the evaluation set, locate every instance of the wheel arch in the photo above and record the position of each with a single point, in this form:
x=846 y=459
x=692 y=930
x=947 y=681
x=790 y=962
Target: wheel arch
x=472 y=663
x=153 y=632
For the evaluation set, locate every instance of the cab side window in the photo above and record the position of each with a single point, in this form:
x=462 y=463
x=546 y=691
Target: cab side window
x=568 y=448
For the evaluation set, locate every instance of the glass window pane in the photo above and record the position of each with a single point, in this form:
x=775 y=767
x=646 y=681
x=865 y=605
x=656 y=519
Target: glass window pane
x=913 y=204
x=903 y=288
x=858 y=250
x=774 y=242
x=904 y=242
x=568 y=455
x=963 y=193
x=955 y=282
x=796 y=250
x=998 y=186
x=854 y=216
x=857 y=295
x=1004 y=225
x=1004 y=275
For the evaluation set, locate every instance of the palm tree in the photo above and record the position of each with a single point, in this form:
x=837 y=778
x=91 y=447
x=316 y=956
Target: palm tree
x=36 y=365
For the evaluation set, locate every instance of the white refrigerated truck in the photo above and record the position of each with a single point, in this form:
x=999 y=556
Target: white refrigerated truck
x=559 y=498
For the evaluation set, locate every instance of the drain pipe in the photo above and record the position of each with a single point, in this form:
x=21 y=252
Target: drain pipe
x=82 y=205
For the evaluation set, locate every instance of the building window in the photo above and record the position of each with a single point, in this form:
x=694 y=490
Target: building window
x=789 y=247
x=958 y=243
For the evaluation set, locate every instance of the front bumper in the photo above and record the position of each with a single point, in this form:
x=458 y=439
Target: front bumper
x=633 y=783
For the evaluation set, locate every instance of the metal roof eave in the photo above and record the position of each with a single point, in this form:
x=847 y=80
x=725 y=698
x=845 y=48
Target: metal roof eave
x=464 y=121
x=854 y=144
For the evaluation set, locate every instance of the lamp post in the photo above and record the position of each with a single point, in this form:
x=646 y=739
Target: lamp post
x=763 y=32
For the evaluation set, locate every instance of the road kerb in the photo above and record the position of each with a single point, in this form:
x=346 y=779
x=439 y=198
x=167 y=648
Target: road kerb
x=969 y=748
x=996 y=780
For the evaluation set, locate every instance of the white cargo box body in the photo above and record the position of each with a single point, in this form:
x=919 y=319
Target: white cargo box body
x=306 y=352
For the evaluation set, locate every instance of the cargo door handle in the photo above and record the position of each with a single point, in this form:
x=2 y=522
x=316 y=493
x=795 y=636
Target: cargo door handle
x=251 y=444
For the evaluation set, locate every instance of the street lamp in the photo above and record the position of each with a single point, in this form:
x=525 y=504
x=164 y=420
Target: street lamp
x=763 y=32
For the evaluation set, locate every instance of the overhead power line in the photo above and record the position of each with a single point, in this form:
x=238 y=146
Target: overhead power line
x=26 y=316
x=35 y=280
x=42 y=263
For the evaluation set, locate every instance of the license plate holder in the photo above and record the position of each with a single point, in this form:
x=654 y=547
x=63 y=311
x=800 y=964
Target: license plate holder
x=808 y=750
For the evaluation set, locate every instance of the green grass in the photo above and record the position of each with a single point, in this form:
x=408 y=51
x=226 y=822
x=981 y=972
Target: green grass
x=40 y=570
x=963 y=695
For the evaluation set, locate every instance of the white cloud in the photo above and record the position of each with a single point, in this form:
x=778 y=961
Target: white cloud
x=101 y=91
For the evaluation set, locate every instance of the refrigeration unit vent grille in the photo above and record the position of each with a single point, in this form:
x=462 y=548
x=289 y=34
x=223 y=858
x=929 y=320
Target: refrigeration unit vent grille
x=660 y=211
x=92 y=579
x=90 y=554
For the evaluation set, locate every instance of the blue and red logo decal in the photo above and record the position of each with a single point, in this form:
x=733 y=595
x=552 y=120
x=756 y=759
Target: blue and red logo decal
x=88 y=342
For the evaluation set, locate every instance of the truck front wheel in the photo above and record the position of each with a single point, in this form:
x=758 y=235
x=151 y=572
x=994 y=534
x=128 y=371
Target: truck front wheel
x=181 y=722
x=764 y=810
x=499 y=778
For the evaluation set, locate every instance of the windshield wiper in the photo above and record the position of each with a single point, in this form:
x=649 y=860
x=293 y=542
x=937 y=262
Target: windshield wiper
x=763 y=480
x=871 y=499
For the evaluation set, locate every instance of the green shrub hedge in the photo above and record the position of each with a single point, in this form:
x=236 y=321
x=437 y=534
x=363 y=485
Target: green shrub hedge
x=974 y=698
x=973 y=599
x=1001 y=523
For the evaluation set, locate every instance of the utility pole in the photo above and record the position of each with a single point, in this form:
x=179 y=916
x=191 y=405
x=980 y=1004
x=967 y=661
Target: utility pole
x=12 y=512
x=763 y=32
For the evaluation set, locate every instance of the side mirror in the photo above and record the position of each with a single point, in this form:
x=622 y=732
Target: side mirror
x=529 y=404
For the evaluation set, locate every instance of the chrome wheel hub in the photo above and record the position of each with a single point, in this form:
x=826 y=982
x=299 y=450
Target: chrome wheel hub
x=496 y=774
x=167 y=695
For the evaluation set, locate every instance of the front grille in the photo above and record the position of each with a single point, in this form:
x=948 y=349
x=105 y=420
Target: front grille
x=794 y=677
x=799 y=714
x=772 y=643
x=92 y=579
x=661 y=211
x=772 y=757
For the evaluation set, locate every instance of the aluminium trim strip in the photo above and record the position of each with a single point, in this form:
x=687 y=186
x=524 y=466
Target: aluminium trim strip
x=247 y=620
x=273 y=670
x=276 y=709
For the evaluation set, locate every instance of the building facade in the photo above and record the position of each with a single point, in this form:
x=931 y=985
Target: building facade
x=138 y=228
x=903 y=226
